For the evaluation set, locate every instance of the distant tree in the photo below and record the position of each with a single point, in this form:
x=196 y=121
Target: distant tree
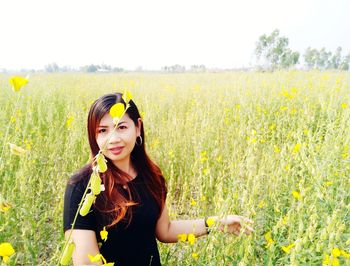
x=117 y=69
x=198 y=68
x=90 y=68
x=174 y=68
x=275 y=52
x=53 y=67
x=345 y=64
x=325 y=60
x=322 y=58
x=335 y=60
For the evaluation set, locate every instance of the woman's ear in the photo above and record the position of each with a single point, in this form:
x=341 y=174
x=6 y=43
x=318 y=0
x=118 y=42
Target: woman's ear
x=138 y=127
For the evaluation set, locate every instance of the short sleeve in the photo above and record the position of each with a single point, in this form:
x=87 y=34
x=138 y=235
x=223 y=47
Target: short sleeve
x=72 y=198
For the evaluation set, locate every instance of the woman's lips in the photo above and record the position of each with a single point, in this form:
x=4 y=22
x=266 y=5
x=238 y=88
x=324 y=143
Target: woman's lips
x=117 y=150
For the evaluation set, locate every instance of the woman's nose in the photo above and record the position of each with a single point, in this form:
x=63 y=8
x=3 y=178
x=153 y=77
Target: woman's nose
x=114 y=137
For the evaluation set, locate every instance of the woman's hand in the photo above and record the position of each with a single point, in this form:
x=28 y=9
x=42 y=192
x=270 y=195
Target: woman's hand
x=233 y=224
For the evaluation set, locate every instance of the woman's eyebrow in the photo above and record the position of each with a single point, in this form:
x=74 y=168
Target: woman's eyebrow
x=103 y=126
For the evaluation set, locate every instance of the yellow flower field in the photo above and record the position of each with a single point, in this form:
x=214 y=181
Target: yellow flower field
x=273 y=147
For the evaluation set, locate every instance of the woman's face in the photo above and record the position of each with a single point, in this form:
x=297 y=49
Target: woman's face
x=122 y=140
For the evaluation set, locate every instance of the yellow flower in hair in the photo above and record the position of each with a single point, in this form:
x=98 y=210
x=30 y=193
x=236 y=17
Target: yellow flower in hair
x=104 y=234
x=18 y=82
x=117 y=110
x=127 y=96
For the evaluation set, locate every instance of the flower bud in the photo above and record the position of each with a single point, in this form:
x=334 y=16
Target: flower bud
x=67 y=254
x=101 y=163
x=95 y=183
x=89 y=199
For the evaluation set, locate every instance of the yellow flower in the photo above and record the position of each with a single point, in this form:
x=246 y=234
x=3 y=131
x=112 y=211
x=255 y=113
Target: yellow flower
x=210 y=221
x=96 y=258
x=288 y=248
x=203 y=198
x=268 y=238
x=336 y=252
x=326 y=260
x=203 y=156
x=142 y=114
x=127 y=96
x=193 y=202
x=206 y=171
x=6 y=250
x=117 y=110
x=297 y=148
x=69 y=121
x=195 y=256
x=285 y=220
x=261 y=204
x=191 y=238
x=104 y=234
x=344 y=105
x=276 y=149
x=287 y=168
x=329 y=183
x=4 y=206
x=344 y=254
x=296 y=194
x=335 y=262
x=182 y=237
x=67 y=253
x=16 y=150
x=18 y=82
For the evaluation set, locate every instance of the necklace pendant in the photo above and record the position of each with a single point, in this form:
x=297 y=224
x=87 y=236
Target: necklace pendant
x=125 y=186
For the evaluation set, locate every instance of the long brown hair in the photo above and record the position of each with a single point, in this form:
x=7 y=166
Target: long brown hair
x=111 y=201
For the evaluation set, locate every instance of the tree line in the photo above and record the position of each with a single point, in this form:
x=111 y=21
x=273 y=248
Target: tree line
x=272 y=52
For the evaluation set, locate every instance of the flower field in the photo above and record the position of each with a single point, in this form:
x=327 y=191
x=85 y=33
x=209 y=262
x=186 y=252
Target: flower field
x=273 y=147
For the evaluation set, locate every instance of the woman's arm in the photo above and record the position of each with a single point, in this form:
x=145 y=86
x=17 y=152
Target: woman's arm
x=85 y=243
x=167 y=231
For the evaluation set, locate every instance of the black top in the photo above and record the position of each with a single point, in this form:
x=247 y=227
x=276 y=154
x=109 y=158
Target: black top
x=132 y=245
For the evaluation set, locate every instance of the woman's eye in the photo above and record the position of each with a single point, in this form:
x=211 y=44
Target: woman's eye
x=102 y=130
x=122 y=127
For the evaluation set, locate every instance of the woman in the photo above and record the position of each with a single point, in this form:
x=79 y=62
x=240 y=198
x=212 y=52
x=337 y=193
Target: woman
x=132 y=208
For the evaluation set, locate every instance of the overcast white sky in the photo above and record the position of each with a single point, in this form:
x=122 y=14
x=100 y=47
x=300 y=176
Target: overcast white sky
x=154 y=33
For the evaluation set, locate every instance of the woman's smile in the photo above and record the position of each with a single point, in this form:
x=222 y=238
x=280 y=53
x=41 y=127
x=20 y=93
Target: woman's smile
x=116 y=150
